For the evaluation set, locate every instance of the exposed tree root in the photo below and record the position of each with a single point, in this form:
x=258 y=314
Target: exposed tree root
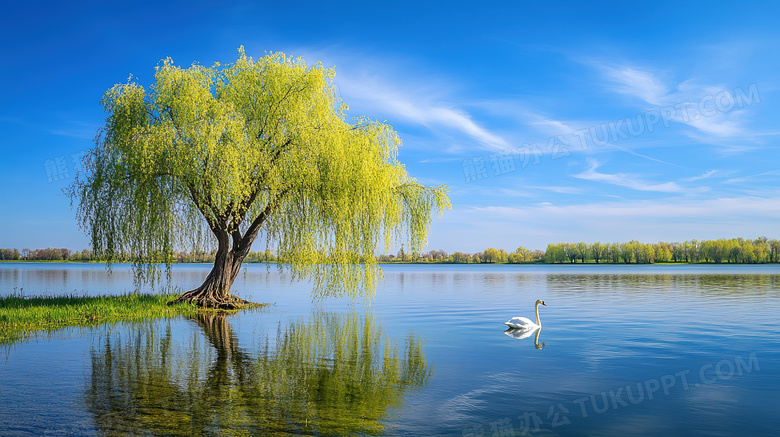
x=206 y=297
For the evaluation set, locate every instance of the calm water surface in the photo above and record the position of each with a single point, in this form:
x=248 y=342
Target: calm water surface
x=672 y=350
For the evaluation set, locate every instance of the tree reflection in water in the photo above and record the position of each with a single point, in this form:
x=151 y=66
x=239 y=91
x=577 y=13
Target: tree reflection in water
x=333 y=374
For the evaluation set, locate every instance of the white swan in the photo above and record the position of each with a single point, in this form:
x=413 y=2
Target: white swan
x=524 y=323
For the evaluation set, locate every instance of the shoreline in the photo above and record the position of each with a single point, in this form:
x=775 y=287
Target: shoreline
x=22 y=317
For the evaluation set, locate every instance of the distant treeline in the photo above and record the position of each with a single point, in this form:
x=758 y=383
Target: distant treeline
x=47 y=254
x=734 y=250
x=50 y=254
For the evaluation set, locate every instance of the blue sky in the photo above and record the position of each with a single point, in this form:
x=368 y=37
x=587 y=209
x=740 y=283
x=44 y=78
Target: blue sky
x=549 y=121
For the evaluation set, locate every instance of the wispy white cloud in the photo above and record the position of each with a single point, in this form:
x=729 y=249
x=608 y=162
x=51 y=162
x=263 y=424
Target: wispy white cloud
x=723 y=209
x=635 y=82
x=752 y=177
x=441 y=159
x=557 y=189
x=431 y=115
x=384 y=87
x=67 y=128
x=702 y=176
x=728 y=210
x=509 y=192
x=529 y=191
x=626 y=180
x=569 y=132
x=709 y=109
x=549 y=125
x=82 y=133
x=419 y=103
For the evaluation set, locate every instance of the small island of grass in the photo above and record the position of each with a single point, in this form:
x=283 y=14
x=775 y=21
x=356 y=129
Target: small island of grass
x=21 y=316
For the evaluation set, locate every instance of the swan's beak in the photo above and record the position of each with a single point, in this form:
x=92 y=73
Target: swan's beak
x=544 y=303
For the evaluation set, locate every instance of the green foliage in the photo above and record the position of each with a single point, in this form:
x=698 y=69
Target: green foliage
x=256 y=148
x=459 y=257
x=555 y=253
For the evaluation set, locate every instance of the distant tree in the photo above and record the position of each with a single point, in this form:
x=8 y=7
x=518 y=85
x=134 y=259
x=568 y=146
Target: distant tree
x=571 y=252
x=647 y=253
x=491 y=255
x=627 y=252
x=9 y=254
x=437 y=255
x=761 y=249
x=694 y=250
x=735 y=250
x=774 y=250
x=638 y=249
x=678 y=254
x=526 y=254
x=555 y=253
x=663 y=253
x=705 y=250
x=84 y=255
x=582 y=249
x=459 y=257
x=520 y=255
x=597 y=251
x=614 y=252
x=716 y=251
x=747 y=253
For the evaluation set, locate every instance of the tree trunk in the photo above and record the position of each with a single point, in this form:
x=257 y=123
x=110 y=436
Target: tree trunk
x=215 y=291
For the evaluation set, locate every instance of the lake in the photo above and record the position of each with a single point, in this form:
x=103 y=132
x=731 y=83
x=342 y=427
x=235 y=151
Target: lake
x=624 y=349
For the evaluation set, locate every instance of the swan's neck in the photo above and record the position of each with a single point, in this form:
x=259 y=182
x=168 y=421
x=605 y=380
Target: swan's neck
x=538 y=322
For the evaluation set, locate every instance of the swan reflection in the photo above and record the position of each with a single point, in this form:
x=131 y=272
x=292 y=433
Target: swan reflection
x=520 y=334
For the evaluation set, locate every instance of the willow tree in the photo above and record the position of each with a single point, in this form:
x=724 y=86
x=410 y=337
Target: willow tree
x=223 y=155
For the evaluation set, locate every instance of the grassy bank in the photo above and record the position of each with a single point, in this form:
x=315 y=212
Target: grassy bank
x=20 y=316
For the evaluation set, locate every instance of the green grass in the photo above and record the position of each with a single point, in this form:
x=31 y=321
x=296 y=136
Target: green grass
x=21 y=316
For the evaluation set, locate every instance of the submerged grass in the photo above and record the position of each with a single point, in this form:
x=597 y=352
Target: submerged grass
x=22 y=316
